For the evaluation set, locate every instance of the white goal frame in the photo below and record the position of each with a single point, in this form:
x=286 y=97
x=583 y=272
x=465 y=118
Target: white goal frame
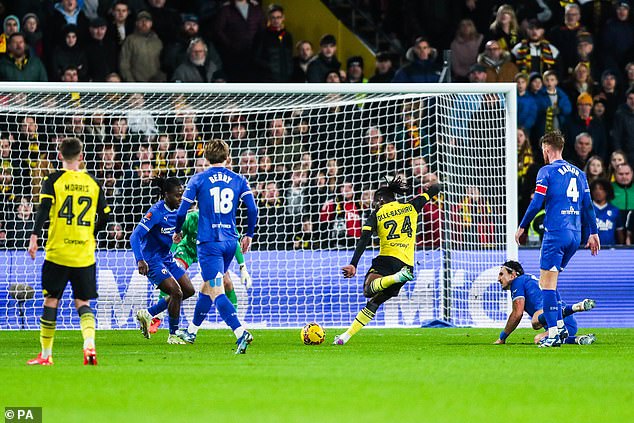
x=508 y=90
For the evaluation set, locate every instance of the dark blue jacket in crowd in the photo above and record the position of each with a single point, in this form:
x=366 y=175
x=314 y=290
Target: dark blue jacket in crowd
x=595 y=128
x=418 y=71
x=526 y=111
x=543 y=103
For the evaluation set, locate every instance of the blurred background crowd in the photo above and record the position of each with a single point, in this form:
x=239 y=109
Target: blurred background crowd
x=313 y=171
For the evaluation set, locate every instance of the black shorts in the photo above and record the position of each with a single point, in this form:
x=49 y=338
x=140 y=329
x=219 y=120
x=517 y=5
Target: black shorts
x=384 y=266
x=82 y=279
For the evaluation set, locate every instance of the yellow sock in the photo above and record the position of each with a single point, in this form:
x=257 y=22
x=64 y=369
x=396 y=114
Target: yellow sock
x=47 y=335
x=363 y=318
x=379 y=284
x=87 y=324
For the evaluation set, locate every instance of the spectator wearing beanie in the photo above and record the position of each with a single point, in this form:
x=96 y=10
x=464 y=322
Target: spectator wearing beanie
x=355 y=70
x=175 y=53
x=582 y=121
x=101 y=51
x=325 y=62
x=11 y=25
x=33 y=34
x=617 y=38
x=384 y=71
x=69 y=53
x=139 y=60
x=612 y=95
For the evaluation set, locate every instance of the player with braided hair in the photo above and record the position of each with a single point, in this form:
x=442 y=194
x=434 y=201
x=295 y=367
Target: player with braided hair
x=394 y=223
x=151 y=241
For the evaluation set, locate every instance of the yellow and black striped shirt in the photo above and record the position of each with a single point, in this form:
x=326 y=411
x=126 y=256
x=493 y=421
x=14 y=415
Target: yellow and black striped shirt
x=76 y=199
x=395 y=224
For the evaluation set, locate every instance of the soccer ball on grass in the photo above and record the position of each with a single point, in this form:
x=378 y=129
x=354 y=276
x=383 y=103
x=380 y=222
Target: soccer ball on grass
x=313 y=334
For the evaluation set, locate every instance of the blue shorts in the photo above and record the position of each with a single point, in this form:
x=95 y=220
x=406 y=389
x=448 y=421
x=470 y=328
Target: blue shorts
x=557 y=249
x=214 y=258
x=571 y=325
x=162 y=268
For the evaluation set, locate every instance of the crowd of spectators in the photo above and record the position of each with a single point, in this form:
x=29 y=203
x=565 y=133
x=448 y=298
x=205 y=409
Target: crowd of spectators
x=295 y=161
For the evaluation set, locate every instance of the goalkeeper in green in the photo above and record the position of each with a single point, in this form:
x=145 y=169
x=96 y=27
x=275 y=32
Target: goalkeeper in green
x=185 y=254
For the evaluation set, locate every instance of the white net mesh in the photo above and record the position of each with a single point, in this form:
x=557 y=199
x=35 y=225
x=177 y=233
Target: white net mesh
x=313 y=162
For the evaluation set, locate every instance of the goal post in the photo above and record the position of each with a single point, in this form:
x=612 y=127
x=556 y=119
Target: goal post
x=313 y=155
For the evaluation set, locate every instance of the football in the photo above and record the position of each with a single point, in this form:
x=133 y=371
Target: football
x=313 y=334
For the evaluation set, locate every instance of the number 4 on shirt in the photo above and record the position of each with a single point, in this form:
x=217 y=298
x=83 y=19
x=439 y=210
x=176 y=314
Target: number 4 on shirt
x=572 y=192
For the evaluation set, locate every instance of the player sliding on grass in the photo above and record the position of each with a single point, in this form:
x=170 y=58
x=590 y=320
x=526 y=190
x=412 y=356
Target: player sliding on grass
x=185 y=254
x=564 y=190
x=218 y=191
x=395 y=223
x=151 y=241
x=76 y=206
x=527 y=297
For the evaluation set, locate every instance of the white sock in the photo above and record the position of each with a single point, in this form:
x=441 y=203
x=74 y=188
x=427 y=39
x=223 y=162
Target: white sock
x=192 y=328
x=89 y=343
x=560 y=324
x=345 y=337
x=239 y=331
x=577 y=307
x=552 y=332
x=46 y=352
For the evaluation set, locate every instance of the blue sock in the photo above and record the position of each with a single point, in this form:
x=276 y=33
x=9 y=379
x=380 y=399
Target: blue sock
x=568 y=311
x=173 y=324
x=203 y=305
x=550 y=307
x=227 y=311
x=570 y=340
x=559 y=307
x=160 y=306
x=542 y=320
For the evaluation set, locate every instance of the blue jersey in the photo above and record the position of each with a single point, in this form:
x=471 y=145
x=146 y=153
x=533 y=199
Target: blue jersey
x=218 y=191
x=152 y=238
x=527 y=287
x=564 y=188
x=608 y=221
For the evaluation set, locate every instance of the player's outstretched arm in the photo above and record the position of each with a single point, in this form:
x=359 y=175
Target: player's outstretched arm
x=430 y=192
x=514 y=319
x=40 y=220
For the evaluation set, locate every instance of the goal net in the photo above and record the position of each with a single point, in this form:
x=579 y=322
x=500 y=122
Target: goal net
x=313 y=154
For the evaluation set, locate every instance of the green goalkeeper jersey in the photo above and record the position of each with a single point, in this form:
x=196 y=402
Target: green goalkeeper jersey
x=186 y=249
x=187 y=246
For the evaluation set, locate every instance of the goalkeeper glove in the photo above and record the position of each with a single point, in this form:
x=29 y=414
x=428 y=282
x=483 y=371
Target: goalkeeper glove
x=245 y=278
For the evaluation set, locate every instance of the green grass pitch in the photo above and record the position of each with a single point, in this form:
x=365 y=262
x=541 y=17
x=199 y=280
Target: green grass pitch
x=386 y=375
